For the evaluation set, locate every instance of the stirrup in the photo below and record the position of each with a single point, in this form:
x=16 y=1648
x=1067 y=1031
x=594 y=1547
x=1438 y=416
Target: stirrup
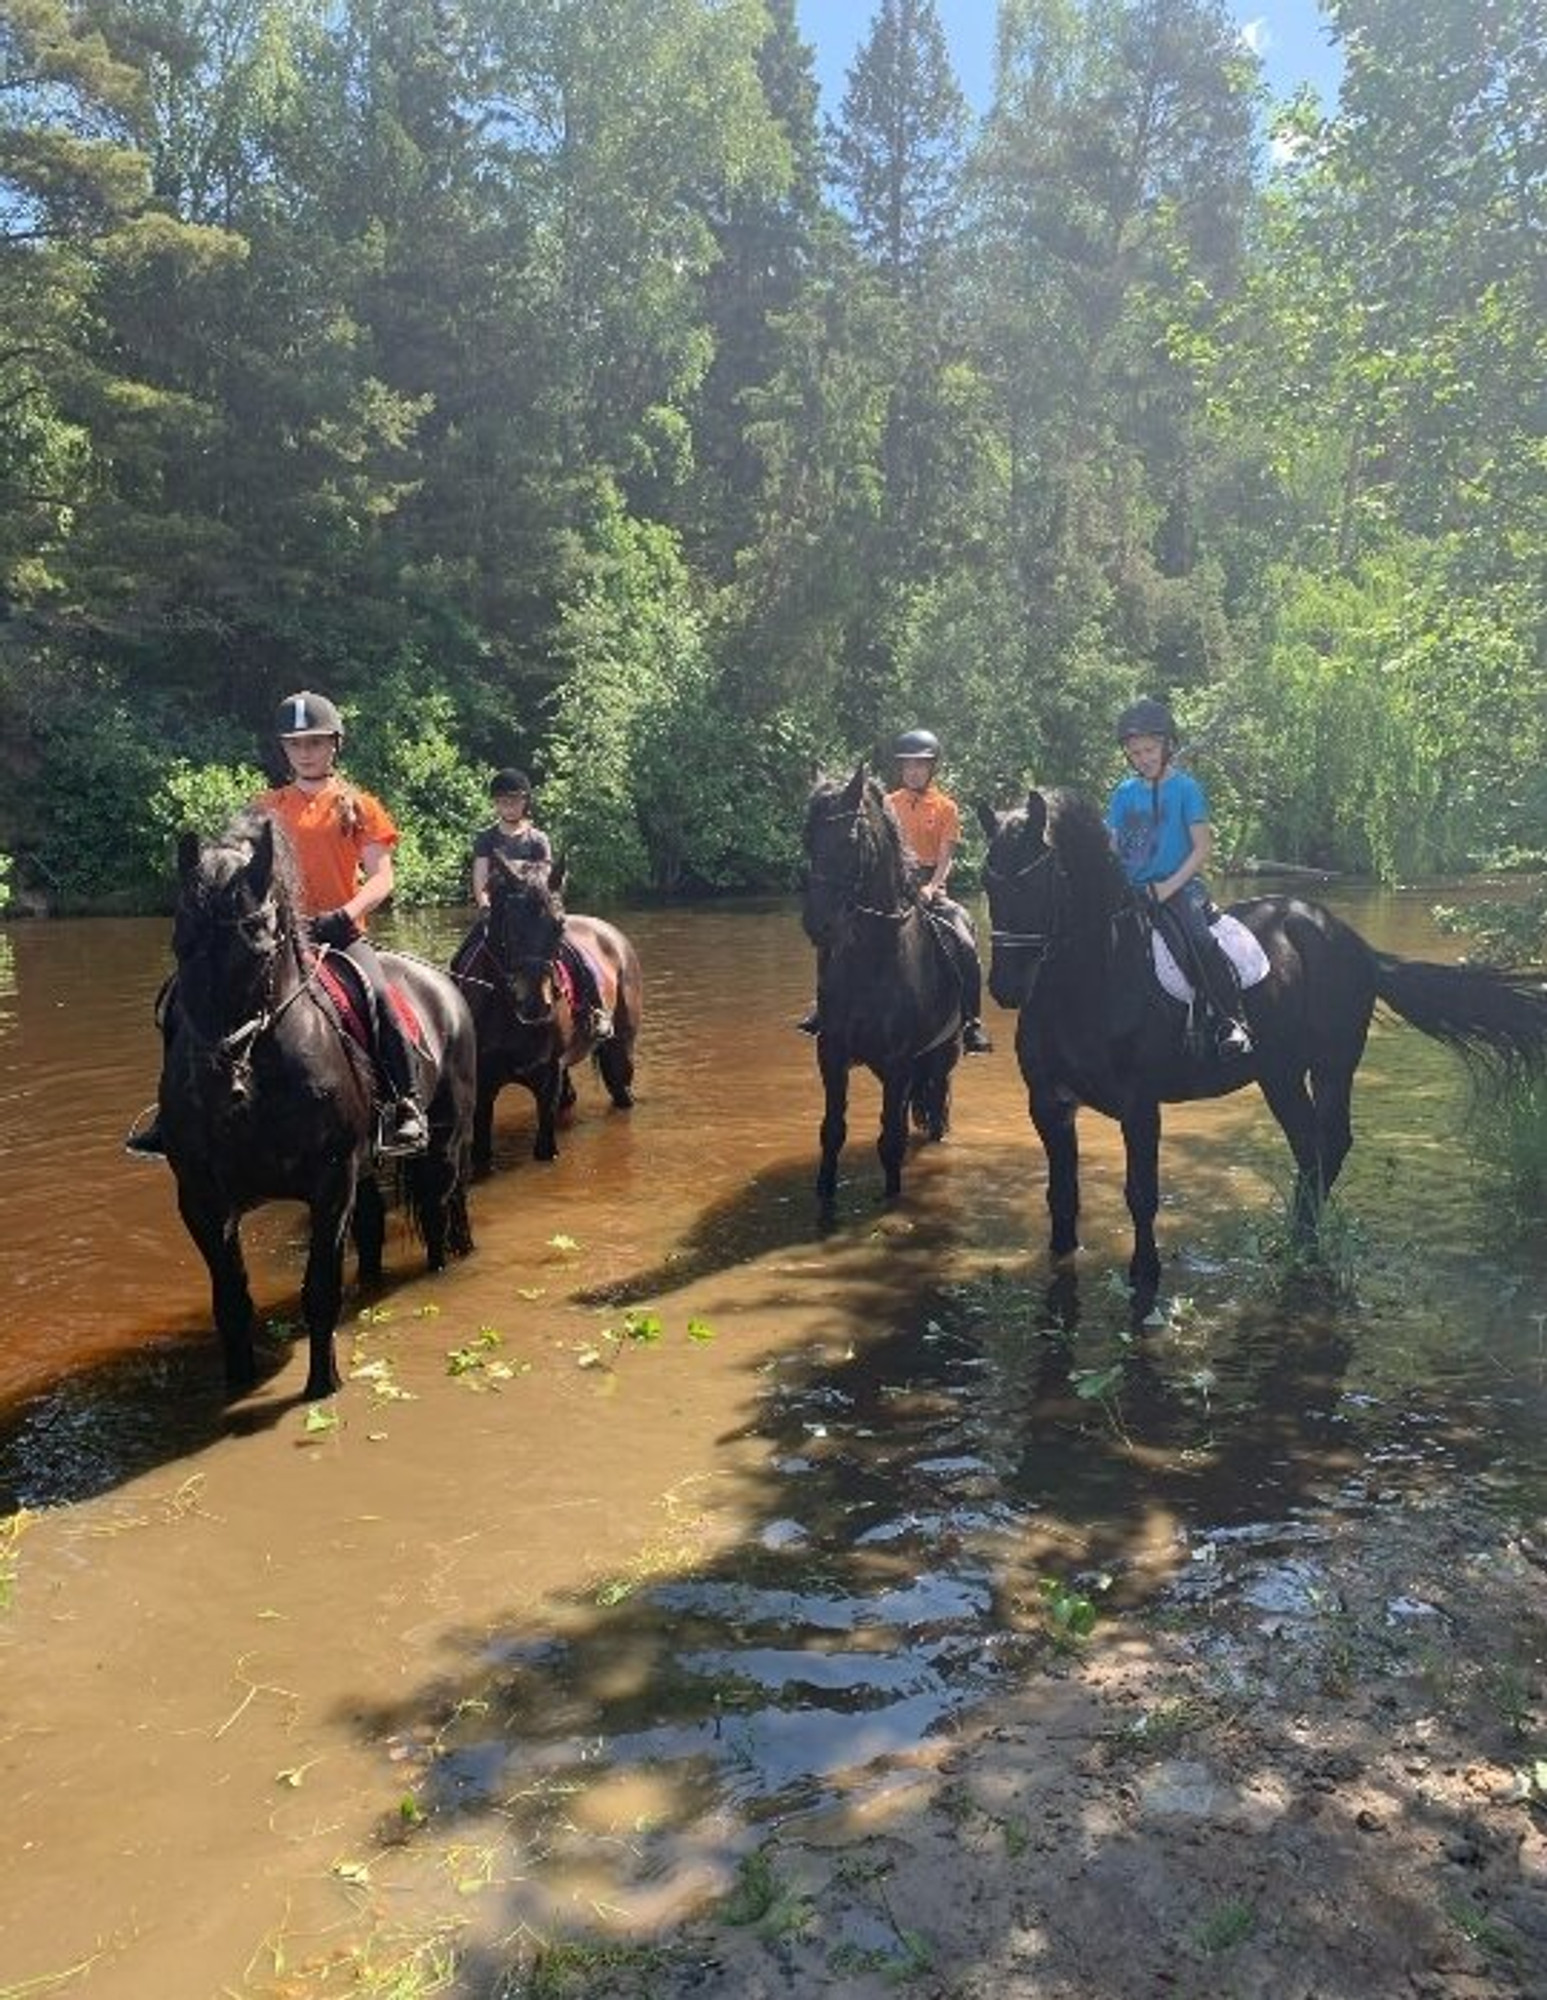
x=145 y=1142
x=975 y=1041
x=1235 y=1039
x=601 y=1024
x=404 y=1130
x=809 y=1024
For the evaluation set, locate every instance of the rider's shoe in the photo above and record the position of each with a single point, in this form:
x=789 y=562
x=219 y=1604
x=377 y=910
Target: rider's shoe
x=974 y=1040
x=406 y=1129
x=601 y=1024
x=1236 y=1040
x=147 y=1144
x=810 y=1024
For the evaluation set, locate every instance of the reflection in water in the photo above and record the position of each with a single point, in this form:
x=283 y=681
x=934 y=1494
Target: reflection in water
x=924 y=1427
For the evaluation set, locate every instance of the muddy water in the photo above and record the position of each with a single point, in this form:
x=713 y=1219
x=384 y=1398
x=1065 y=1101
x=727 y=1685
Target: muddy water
x=669 y=1513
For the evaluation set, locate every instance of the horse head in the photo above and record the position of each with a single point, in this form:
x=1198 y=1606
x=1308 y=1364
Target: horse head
x=525 y=930
x=1022 y=879
x=1054 y=886
x=854 y=859
x=233 y=924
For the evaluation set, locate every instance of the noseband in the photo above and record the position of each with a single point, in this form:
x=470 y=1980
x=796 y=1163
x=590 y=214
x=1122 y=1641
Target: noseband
x=234 y=1049
x=1039 y=945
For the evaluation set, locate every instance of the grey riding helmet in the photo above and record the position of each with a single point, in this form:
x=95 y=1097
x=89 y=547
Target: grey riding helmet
x=1147 y=718
x=307 y=714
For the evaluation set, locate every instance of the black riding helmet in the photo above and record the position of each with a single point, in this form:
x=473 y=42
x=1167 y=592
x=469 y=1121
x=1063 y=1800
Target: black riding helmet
x=307 y=714
x=917 y=743
x=509 y=780
x=1147 y=717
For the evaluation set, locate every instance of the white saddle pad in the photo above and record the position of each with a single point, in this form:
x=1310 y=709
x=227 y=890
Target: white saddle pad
x=1239 y=946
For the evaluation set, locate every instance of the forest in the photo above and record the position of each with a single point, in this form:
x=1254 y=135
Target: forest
x=550 y=382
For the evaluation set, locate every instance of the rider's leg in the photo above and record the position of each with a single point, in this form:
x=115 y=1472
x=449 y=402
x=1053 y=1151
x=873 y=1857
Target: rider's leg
x=408 y=1129
x=975 y=1041
x=148 y=1143
x=589 y=986
x=1211 y=964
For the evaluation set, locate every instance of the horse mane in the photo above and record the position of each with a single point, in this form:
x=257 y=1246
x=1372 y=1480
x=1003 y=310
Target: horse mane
x=227 y=853
x=826 y=790
x=532 y=881
x=1077 y=832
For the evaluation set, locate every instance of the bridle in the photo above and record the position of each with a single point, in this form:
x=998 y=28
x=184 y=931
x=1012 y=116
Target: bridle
x=233 y=1050
x=1038 y=945
x=537 y=967
x=865 y=849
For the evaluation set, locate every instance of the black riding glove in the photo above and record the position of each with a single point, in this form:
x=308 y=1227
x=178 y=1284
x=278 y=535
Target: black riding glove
x=337 y=928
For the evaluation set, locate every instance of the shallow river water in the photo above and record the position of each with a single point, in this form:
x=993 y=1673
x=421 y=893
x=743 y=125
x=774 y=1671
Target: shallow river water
x=671 y=1512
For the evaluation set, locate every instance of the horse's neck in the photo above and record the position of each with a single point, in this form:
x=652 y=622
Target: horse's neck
x=886 y=888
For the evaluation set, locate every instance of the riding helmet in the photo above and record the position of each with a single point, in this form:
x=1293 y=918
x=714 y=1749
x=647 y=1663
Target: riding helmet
x=917 y=743
x=1147 y=718
x=307 y=714
x=509 y=780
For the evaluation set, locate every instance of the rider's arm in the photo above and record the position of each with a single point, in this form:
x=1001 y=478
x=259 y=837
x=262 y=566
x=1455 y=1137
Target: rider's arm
x=1196 y=861
x=935 y=886
x=376 y=887
x=481 y=880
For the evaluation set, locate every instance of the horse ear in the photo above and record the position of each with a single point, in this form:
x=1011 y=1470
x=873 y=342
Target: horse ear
x=1036 y=814
x=187 y=854
x=855 y=789
x=558 y=868
x=988 y=819
x=261 y=867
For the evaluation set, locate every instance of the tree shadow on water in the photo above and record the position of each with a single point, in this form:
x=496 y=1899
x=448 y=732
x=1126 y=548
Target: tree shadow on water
x=934 y=1503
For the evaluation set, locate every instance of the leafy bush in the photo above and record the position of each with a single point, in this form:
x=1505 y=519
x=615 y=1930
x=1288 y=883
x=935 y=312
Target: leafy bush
x=199 y=798
x=403 y=747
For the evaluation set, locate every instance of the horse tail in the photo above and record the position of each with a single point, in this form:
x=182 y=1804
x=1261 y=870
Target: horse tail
x=1494 y=1018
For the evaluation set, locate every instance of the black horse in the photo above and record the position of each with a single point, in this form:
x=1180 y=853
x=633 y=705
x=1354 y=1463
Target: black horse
x=1071 y=951
x=533 y=1023
x=265 y=1097
x=889 y=990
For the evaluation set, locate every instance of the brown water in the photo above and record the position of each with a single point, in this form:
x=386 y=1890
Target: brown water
x=559 y=1599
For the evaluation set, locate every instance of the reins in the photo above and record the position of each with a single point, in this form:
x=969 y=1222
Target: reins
x=1041 y=943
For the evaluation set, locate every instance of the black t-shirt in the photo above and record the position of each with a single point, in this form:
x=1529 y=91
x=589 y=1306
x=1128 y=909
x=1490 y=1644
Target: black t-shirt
x=529 y=844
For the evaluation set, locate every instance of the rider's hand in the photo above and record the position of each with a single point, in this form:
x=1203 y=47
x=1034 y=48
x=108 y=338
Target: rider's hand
x=337 y=928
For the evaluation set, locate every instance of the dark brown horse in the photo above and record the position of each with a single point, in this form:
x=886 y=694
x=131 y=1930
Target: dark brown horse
x=523 y=989
x=1071 y=951
x=889 y=993
x=264 y=1097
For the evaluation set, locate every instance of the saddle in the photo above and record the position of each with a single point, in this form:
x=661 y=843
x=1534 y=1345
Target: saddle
x=1234 y=940
x=345 y=987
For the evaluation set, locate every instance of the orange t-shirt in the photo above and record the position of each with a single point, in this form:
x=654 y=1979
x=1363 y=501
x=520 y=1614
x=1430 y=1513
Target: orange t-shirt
x=928 y=819
x=327 y=854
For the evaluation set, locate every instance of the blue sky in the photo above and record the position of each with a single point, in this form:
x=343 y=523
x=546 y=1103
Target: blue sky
x=1289 y=35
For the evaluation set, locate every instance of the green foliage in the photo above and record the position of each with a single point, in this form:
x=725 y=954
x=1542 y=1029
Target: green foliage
x=199 y=798
x=402 y=745
x=415 y=355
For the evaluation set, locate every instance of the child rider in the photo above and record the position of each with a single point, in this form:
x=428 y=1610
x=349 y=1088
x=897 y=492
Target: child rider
x=1159 y=822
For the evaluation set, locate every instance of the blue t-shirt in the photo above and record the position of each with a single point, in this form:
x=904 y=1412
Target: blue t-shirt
x=1153 y=843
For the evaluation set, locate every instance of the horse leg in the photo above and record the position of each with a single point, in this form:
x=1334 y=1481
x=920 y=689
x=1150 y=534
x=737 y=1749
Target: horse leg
x=1319 y=1134
x=835 y=1124
x=322 y=1289
x=218 y=1236
x=1053 y=1115
x=929 y=1093
x=489 y=1081
x=615 y=1060
x=547 y=1086
x=369 y=1226
x=893 y=1142
x=1141 y=1186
